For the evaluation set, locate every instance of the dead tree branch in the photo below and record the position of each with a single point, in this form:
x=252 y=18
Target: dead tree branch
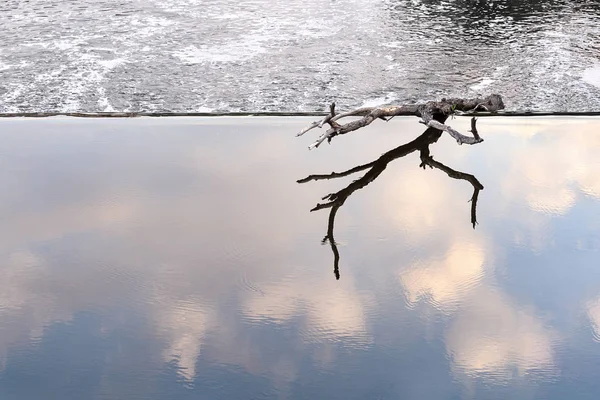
x=425 y=111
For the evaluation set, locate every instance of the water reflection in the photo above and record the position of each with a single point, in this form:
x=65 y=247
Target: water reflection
x=167 y=259
x=375 y=168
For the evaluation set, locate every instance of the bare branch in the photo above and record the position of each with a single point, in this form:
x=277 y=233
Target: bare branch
x=460 y=138
x=474 y=128
x=319 y=124
x=426 y=111
x=370 y=115
x=308 y=128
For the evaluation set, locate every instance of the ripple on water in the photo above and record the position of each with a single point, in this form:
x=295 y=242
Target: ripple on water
x=224 y=55
x=446 y=282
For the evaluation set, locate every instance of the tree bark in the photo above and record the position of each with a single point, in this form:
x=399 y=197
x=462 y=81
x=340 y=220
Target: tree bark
x=426 y=111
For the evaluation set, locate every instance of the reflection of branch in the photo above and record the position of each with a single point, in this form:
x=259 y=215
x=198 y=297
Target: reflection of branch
x=474 y=129
x=427 y=159
x=336 y=174
x=375 y=168
x=329 y=238
x=335 y=200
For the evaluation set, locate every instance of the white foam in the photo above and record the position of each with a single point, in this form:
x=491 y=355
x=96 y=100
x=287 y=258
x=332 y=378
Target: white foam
x=151 y=26
x=485 y=82
x=44 y=45
x=393 y=45
x=103 y=101
x=50 y=75
x=107 y=49
x=230 y=15
x=9 y=97
x=377 y=101
x=230 y=52
x=592 y=76
x=110 y=64
x=64 y=44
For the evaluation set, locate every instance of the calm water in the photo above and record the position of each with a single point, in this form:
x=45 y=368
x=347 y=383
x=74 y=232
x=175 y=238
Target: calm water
x=278 y=55
x=170 y=259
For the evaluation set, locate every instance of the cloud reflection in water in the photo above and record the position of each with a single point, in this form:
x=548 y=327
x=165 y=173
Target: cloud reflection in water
x=193 y=270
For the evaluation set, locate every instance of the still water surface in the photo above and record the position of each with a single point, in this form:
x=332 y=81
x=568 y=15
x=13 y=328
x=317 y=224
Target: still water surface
x=170 y=259
x=285 y=55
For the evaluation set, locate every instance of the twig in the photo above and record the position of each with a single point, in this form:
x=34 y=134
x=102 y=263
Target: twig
x=460 y=138
x=474 y=128
x=319 y=124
